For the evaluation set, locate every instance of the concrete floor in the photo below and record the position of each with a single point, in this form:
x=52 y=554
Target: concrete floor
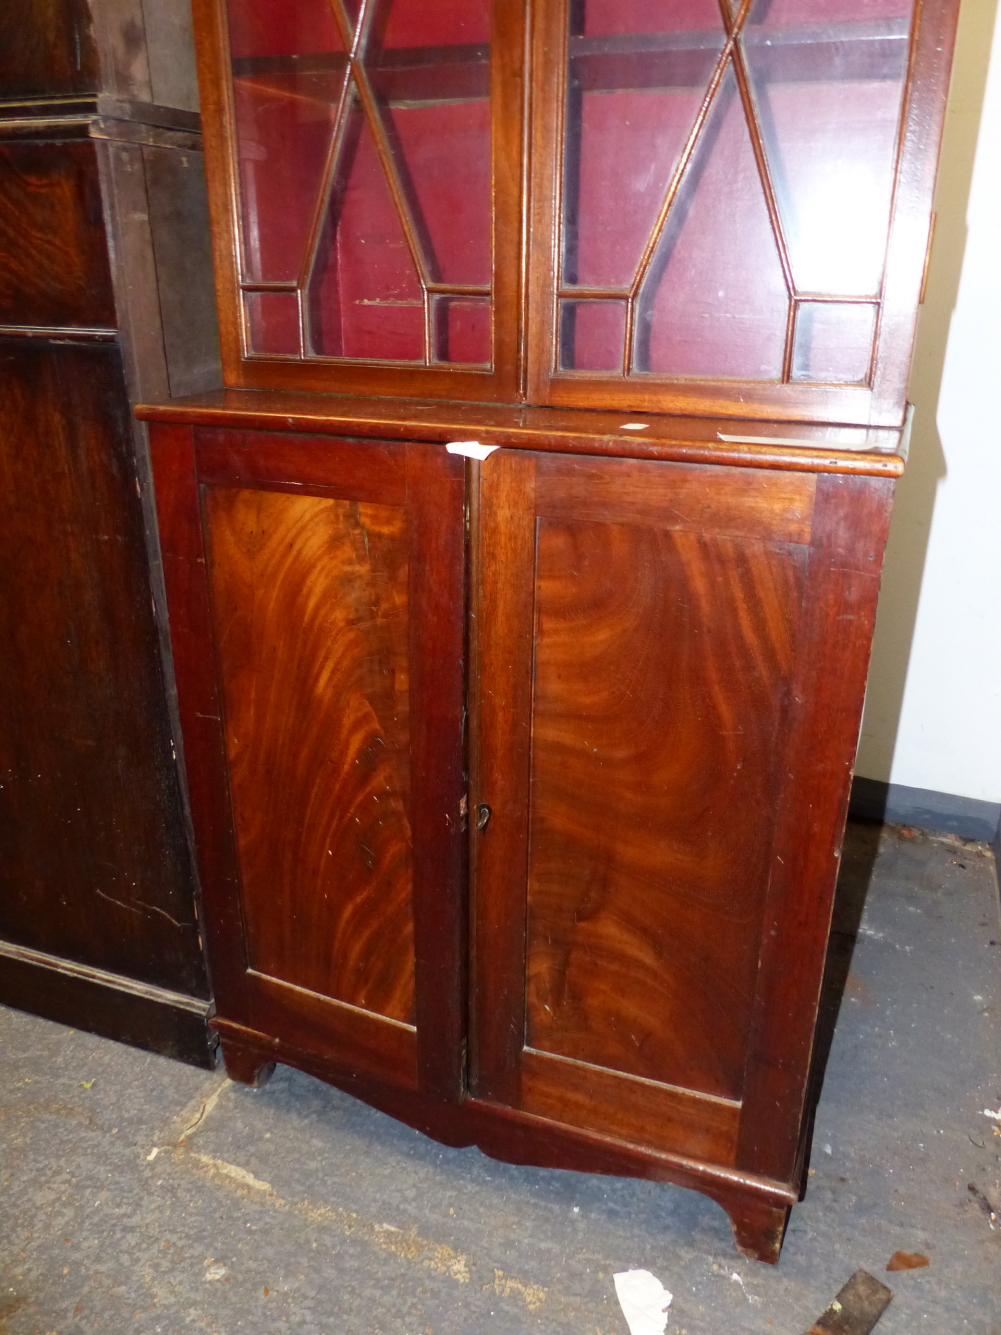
x=139 y=1195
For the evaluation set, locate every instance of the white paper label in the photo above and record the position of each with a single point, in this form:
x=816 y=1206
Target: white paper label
x=644 y=1301
x=471 y=449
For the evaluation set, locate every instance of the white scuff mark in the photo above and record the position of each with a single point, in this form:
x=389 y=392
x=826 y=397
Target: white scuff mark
x=994 y=1116
x=234 y=1171
x=470 y=449
x=736 y=1279
x=644 y=1301
x=634 y=426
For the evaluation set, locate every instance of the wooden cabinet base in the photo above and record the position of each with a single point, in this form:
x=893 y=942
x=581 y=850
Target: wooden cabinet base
x=519 y=786
x=110 y=1004
x=758 y=1208
x=244 y=1065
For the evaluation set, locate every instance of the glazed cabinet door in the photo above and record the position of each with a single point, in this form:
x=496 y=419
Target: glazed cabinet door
x=668 y=671
x=316 y=596
x=364 y=163
x=731 y=203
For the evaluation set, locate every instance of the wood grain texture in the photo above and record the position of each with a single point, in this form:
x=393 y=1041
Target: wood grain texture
x=53 y=254
x=355 y=1038
x=366 y=472
x=750 y=504
x=846 y=555
x=500 y=706
x=436 y=494
x=642 y=1112
x=310 y=604
x=790 y=447
x=662 y=669
x=92 y=840
x=46 y=49
x=325 y=607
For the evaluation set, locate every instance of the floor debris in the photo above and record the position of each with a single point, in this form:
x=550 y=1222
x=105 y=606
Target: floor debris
x=856 y=1309
x=984 y=1202
x=907 y=1261
x=644 y=1301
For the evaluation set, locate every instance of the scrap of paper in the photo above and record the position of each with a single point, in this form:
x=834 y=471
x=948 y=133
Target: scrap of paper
x=644 y=1301
x=470 y=449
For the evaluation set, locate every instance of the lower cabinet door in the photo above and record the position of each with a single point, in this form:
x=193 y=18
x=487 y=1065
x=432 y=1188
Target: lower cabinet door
x=668 y=669
x=316 y=595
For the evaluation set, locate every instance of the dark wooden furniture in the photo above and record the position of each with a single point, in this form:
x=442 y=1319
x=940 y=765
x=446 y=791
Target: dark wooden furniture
x=98 y=919
x=519 y=782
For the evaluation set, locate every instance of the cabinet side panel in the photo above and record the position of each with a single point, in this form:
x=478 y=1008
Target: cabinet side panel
x=662 y=670
x=311 y=615
x=850 y=527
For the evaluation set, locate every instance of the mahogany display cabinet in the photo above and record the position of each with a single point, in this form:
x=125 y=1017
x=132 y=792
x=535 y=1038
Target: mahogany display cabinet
x=519 y=781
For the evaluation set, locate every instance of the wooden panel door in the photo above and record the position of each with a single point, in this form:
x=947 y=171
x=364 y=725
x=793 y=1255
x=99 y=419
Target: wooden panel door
x=639 y=666
x=316 y=598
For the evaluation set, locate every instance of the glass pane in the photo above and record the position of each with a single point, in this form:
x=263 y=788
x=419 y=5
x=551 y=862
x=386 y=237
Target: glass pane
x=715 y=301
x=273 y=322
x=259 y=29
x=592 y=335
x=828 y=77
x=444 y=151
x=288 y=71
x=833 y=342
x=415 y=23
x=638 y=75
x=603 y=18
x=366 y=298
x=463 y=330
x=431 y=75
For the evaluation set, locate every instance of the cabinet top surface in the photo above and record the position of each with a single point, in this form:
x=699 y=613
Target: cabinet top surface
x=793 y=445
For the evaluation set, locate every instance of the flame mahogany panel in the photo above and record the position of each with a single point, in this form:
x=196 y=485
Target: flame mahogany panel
x=316 y=601
x=633 y=678
x=309 y=599
x=661 y=680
